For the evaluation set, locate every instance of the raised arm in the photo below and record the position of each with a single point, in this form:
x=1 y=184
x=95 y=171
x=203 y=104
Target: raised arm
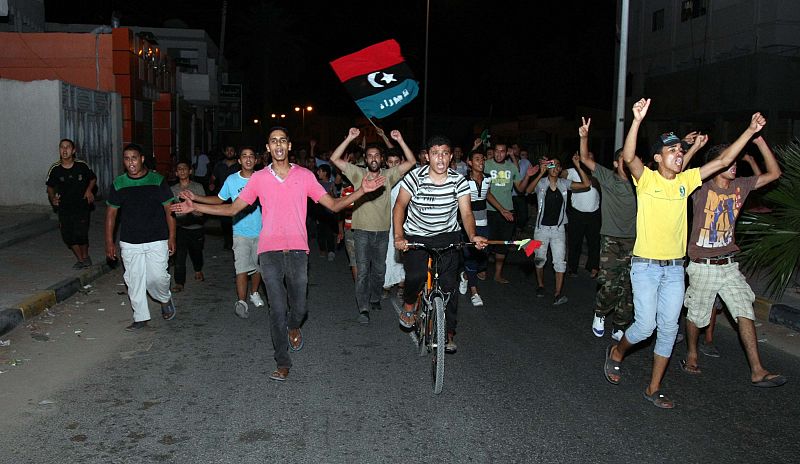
x=410 y=161
x=542 y=169
x=336 y=156
x=757 y=122
x=697 y=141
x=338 y=204
x=585 y=182
x=635 y=164
x=583 y=134
x=773 y=168
x=747 y=158
x=385 y=139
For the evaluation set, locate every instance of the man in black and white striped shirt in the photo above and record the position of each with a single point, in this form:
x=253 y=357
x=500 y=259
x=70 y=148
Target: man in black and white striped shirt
x=433 y=196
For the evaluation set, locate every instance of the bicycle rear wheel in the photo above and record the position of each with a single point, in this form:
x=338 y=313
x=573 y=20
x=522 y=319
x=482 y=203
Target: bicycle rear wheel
x=438 y=334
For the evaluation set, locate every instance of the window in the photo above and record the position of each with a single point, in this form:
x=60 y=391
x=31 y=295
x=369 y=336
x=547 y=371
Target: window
x=693 y=9
x=658 y=20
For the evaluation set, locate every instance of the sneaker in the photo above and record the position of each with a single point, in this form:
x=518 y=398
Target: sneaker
x=559 y=300
x=462 y=286
x=709 y=350
x=255 y=298
x=599 y=325
x=137 y=326
x=400 y=292
x=87 y=262
x=540 y=292
x=363 y=317
x=78 y=265
x=331 y=256
x=617 y=334
x=476 y=300
x=240 y=308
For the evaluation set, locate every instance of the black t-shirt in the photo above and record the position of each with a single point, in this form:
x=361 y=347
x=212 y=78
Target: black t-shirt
x=552 y=207
x=141 y=207
x=222 y=171
x=71 y=185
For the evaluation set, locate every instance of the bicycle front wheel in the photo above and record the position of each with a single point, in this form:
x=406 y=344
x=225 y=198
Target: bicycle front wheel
x=437 y=366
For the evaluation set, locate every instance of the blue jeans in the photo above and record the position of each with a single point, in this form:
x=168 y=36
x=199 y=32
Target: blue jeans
x=370 y=248
x=293 y=266
x=657 y=302
x=475 y=260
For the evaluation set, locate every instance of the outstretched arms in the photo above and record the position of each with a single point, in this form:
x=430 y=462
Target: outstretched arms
x=757 y=122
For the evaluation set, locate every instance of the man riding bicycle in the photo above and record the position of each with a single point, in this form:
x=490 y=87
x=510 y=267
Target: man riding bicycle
x=433 y=194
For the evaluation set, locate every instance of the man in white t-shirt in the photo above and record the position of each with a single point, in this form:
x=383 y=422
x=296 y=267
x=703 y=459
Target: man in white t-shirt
x=584 y=222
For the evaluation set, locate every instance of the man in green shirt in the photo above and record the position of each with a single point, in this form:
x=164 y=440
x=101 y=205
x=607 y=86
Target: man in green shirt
x=505 y=177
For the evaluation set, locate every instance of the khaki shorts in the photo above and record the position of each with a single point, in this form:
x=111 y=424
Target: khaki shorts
x=708 y=280
x=245 y=254
x=350 y=246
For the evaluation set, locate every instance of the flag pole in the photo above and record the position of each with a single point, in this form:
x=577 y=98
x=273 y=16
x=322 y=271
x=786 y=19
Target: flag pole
x=425 y=84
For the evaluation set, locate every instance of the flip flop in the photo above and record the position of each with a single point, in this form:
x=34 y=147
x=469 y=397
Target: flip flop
x=611 y=367
x=771 y=382
x=407 y=319
x=691 y=370
x=659 y=400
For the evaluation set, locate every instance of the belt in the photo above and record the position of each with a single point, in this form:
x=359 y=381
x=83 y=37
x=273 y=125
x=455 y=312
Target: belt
x=717 y=260
x=660 y=262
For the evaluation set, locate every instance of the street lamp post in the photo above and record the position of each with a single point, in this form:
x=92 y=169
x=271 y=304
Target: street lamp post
x=302 y=110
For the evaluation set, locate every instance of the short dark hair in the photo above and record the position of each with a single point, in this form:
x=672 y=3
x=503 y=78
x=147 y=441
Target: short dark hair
x=67 y=140
x=247 y=147
x=714 y=152
x=476 y=151
x=326 y=169
x=134 y=147
x=375 y=146
x=392 y=152
x=280 y=128
x=438 y=140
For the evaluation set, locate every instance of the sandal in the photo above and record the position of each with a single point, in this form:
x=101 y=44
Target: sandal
x=659 y=400
x=690 y=369
x=408 y=319
x=481 y=275
x=177 y=288
x=611 y=367
x=296 y=341
x=168 y=310
x=199 y=276
x=280 y=374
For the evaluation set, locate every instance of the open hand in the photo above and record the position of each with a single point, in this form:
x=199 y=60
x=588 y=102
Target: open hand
x=370 y=184
x=183 y=207
x=186 y=195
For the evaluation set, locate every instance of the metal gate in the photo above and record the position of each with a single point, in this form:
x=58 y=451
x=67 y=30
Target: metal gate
x=87 y=121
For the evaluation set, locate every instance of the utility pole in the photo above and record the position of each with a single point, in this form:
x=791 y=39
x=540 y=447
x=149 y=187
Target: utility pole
x=622 y=74
x=425 y=82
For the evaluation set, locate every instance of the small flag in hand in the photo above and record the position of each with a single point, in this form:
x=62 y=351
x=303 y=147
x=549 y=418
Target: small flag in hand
x=529 y=245
x=377 y=78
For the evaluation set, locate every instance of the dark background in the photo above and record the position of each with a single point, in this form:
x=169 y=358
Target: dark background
x=503 y=57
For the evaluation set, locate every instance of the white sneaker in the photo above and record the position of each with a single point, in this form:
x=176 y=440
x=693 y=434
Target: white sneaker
x=599 y=325
x=617 y=335
x=240 y=308
x=255 y=298
x=462 y=286
x=476 y=300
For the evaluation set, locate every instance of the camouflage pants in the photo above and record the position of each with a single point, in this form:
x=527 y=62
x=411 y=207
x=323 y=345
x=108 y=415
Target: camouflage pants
x=614 y=280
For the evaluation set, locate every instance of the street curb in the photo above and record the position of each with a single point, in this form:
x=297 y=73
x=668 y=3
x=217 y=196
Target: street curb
x=780 y=314
x=34 y=305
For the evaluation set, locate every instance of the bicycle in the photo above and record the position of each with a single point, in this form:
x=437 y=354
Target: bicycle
x=430 y=326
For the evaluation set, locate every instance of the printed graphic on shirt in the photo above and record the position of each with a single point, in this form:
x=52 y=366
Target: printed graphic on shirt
x=500 y=178
x=720 y=211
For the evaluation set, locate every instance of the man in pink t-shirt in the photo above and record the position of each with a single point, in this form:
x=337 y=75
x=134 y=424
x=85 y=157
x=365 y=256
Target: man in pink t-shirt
x=282 y=189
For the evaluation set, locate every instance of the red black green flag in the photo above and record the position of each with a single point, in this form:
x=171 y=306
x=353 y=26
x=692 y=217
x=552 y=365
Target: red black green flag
x=377 y=78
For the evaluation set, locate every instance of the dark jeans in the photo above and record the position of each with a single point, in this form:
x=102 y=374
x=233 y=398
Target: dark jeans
x=520 y=211
x=287 y=303
x=416 y=266
x=327 y=229
x=583 y=225
x=475 y=260
x=188 y=241
x=226 y=223
x=370 y=250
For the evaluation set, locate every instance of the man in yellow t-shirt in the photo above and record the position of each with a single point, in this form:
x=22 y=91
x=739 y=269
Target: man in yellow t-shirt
x=657 y=273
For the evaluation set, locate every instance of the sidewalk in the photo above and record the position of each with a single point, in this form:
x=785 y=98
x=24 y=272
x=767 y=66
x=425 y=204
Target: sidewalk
x=36 y=272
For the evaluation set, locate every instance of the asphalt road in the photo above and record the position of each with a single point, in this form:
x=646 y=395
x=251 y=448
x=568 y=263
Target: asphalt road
x=525 y=386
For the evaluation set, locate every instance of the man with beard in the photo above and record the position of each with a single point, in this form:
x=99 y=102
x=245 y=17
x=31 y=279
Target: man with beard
x=222 y=170
x=371 y=218
x=282 y=188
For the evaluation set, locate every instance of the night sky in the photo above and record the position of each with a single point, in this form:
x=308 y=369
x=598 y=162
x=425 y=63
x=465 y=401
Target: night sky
x=515 y=57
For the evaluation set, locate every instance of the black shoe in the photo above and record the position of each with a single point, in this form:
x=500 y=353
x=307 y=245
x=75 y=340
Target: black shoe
x=137 y=326
x=363 y=317
x=376 y=306
x=540 y=292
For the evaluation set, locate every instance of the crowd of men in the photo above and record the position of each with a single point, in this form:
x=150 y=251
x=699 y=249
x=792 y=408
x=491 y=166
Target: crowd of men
x=374 y=199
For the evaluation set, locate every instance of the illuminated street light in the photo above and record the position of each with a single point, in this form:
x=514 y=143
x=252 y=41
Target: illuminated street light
x=303 y=110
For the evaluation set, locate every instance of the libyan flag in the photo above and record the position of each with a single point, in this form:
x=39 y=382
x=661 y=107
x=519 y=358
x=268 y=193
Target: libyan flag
x=377 y=78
